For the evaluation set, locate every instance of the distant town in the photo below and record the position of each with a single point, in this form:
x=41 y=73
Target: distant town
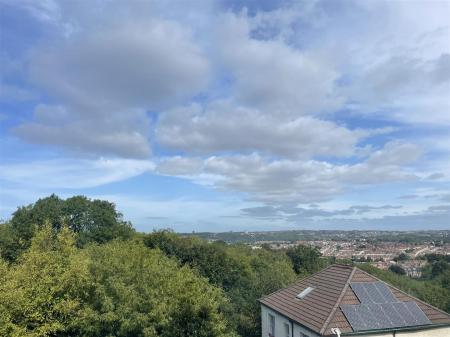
x=382 y=249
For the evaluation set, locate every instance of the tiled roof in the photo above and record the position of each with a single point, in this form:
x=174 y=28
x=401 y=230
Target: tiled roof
x=320 y=310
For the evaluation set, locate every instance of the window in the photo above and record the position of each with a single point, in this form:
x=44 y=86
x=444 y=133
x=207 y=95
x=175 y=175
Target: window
x=305 y=292
x=271 y=325
x=287 y=330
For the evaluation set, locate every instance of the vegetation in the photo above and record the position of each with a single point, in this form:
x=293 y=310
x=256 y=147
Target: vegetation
x=74 y=267
x=91 y=220
x=244 y=274
x=306 y=260
x=395 y=268
x=117 y=289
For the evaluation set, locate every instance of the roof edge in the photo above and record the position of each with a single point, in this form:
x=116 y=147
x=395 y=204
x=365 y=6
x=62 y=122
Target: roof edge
x=405 y=328
x=338 y=302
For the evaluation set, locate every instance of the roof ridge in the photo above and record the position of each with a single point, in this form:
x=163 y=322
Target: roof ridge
x=405 y=293
x=338 y=302
x=301 y=280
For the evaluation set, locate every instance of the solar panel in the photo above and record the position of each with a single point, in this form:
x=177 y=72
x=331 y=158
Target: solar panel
x=353 y=317
x=376 y=292
x=360 y=291
x=395 y=318
x=419 y=315
x=368 y=317
x=373 y=292
x=383 y=320
x=379 y=309
x=385 y=292
x=404 y=312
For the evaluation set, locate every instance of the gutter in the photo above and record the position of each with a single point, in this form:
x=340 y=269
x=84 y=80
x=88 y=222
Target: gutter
x=406 y=328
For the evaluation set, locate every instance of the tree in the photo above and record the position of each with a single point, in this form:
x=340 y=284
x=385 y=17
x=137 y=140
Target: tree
x=306 y=260
x=402 y=257
x=41 y=293
x=91 y=220
x=120 y=289
x=243 y=273
x=397 y=269
x=140 y=292
x=9 y=247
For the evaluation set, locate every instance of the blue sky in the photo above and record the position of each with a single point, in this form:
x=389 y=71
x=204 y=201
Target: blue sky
x=230 y=115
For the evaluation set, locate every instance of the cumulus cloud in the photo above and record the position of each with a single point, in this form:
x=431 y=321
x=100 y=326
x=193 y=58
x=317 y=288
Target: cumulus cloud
x=105 y=78
x=271 y=75
x=125 y=64
x=123 y=133
x=224 y=127
x=299 y=181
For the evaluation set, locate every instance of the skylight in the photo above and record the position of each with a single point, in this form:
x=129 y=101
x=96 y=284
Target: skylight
x=305 y=292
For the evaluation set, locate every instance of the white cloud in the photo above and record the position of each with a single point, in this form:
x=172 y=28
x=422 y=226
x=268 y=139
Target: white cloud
x=223 y=126
x=271 y=75
x=282 y=181
x=127 y=64
x=122 y=133
x=71 y=173
x=105 y=78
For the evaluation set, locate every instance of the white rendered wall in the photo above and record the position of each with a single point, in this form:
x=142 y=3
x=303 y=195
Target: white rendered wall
x=280 y=320
x=298 y=330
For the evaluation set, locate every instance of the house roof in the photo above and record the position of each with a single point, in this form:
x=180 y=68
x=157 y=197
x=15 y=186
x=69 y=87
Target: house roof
x=320 y=310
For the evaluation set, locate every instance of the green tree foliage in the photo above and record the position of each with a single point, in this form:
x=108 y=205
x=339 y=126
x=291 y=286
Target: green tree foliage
x=438 y=265
x=8 y=242
x=306 y=260
x=402 y=257
x=243 y=273
x=40 y=294
x=395 y=268
x=91 y=220
x=118 y=289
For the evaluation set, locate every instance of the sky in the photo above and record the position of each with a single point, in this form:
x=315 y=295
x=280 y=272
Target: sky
x=202 y=115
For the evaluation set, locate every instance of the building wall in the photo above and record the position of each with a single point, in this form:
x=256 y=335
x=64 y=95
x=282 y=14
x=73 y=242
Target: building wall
x=280 y=320
x=300 y=331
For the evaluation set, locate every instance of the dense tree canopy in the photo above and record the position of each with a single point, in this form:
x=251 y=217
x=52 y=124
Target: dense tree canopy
x=243 y=273
x=395 y=268
x=118 y=289
x=91 y=220
x=305 y=260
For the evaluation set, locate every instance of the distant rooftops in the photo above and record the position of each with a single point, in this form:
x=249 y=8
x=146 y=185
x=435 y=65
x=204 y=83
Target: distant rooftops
x=352 y=300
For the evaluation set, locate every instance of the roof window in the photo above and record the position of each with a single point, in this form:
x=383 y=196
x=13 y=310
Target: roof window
x=305 y=292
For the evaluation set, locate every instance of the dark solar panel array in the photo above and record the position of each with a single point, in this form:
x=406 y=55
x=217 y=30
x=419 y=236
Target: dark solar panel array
x=373 y=292
x=385 y=292
x=379 y=309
